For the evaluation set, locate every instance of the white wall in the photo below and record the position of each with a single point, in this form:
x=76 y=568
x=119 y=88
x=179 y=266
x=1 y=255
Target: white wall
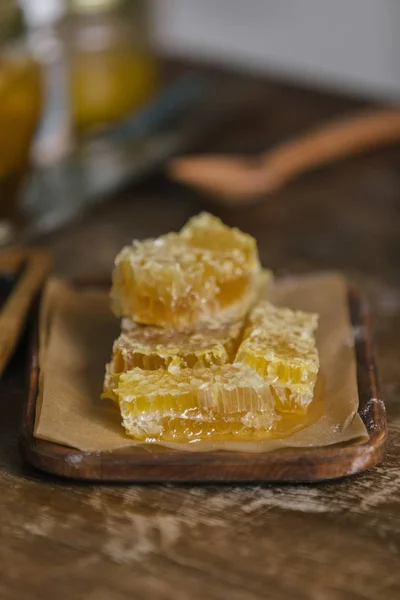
x=351 y=44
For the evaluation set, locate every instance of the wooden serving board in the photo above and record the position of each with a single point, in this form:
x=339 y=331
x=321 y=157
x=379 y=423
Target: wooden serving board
x=164 y=465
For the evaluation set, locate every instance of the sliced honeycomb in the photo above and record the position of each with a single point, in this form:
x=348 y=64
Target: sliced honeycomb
x=152 y=348
x=220 y=402
x=279 y=345
x=179 y=280
x=183 y=369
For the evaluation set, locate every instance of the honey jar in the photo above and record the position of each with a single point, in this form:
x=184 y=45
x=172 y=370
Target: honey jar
x=112 y=71
x=20 y=101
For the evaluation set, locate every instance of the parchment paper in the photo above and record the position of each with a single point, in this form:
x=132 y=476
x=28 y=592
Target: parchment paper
x=76 y=335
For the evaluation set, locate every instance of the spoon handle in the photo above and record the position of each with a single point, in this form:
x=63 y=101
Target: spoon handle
x=327 y=143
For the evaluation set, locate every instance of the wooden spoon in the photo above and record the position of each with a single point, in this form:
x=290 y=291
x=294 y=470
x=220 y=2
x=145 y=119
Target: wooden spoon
x=242 y=181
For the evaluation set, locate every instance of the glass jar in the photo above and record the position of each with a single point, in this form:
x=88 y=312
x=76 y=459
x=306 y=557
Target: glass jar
x=44 y=35
x=112 y=71
x=20 y=102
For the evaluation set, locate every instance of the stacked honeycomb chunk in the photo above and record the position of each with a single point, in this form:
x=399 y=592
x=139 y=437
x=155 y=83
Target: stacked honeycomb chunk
x=150 y=348
x=199 y=355
x=217 y=402
x=279 y=344
x=179 y=280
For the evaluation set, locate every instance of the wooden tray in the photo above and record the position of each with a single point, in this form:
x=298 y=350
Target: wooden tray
x=164 y=465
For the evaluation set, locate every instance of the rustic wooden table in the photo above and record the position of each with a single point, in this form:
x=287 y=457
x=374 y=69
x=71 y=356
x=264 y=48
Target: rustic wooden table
x=61 y=539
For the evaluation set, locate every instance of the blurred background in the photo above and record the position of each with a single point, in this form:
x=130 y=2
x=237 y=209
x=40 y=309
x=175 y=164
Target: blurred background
x=97 y=96
x=348 y=45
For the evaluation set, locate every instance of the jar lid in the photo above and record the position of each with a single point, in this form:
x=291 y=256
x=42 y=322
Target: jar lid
x=11 y=20
x=39 y=13
x=95 y=6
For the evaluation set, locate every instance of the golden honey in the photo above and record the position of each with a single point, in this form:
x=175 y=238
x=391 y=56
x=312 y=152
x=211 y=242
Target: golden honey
x=200 y=357
x=151 y=348
x=179 y=280
x=279 y=344
x=219 y=401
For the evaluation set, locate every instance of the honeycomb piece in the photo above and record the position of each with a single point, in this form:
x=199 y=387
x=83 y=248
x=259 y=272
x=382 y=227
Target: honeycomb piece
x=219 y=402
x=279 y=344
x=180 y=280
x=152 y=348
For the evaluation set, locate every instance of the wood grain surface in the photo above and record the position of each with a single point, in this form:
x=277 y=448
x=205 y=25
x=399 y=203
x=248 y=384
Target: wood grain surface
x=336 y=540
x=163 y=465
